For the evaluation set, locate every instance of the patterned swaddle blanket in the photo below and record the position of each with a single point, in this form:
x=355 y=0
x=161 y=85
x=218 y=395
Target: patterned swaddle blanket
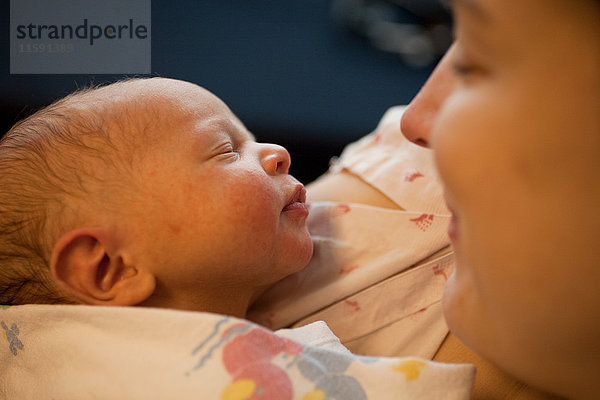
x=368 y=277
x=89 y=352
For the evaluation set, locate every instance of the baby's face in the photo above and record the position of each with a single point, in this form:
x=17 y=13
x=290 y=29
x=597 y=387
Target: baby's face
x=219 y=218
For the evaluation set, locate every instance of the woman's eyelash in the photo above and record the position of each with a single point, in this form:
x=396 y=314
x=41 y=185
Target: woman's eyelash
x=462 y=63
x=463 y=69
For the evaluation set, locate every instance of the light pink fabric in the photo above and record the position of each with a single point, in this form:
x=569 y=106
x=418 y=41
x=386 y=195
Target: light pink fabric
x=367 y=279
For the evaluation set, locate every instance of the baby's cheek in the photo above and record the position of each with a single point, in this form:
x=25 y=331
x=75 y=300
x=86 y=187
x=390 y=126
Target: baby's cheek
x=255 y=204
x=252 y=202
x=257 y=191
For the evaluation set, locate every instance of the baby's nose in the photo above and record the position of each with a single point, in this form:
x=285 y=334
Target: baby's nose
x=275 y=159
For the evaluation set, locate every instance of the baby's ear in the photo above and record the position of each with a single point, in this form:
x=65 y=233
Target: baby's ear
x=88 y=264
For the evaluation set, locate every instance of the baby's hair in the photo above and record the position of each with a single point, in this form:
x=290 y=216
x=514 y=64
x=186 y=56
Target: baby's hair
x=48 y=163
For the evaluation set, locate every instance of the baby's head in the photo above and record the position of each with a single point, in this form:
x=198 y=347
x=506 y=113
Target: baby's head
x=145 y=192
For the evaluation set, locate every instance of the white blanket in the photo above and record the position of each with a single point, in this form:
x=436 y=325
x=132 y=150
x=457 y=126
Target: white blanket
x=89 y=352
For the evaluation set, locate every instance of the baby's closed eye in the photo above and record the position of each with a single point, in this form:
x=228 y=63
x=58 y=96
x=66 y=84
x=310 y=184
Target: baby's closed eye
x=226 y=150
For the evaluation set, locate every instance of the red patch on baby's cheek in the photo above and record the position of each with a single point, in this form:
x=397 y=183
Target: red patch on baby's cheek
x=175 y=229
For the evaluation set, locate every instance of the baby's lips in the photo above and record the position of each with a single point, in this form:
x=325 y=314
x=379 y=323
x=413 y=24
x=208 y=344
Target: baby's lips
x=300 y=195
x=297 y=200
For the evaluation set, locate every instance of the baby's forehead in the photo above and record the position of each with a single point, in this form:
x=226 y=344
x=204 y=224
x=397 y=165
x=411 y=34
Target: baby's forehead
x=175 y=101
x=179 y=96
x=149 y=102
x=163 y=108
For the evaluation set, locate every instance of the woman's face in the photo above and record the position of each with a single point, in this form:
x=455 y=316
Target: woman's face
x=513 y=116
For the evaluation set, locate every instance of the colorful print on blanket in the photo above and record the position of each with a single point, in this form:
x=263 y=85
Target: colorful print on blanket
x=212 y=357
x=12 y=337
x=261 y=365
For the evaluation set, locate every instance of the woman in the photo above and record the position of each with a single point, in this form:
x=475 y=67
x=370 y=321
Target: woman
x=513 y=117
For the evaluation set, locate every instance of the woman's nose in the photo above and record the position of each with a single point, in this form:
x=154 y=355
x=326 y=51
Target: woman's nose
x=420 y=115
x=417 y=121
x=275 y=159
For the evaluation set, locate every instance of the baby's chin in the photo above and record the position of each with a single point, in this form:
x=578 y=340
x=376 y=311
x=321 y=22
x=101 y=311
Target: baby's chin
x=297 y=258
x=306 y=248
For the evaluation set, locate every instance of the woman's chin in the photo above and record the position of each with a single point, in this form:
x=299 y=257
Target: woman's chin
x=454 y=303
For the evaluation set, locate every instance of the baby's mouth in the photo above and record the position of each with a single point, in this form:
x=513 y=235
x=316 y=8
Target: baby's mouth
x=297 y=201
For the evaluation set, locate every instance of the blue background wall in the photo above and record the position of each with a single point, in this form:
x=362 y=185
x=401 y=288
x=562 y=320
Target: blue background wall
x=286 y=68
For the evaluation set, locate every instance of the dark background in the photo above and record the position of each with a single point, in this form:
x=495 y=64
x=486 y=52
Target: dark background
x=302 y=73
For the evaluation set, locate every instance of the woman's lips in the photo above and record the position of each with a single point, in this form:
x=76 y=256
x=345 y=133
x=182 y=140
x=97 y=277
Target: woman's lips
x=453 y=228
x=453 y=225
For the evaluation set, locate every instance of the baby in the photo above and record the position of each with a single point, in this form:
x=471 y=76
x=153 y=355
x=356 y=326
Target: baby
x=146 y=192
x=151 y=192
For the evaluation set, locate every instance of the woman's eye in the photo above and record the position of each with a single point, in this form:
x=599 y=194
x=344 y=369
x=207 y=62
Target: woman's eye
x=462 y=64
x=463 y=69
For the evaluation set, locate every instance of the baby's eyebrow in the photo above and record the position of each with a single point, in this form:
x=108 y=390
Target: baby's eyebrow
x=239 y=134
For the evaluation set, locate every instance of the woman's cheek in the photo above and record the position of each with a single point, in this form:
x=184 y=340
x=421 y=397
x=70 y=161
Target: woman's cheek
x=451 y=145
